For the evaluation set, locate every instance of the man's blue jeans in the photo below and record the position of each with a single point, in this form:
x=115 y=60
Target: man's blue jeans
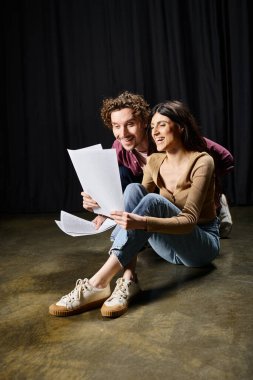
x=195 y=249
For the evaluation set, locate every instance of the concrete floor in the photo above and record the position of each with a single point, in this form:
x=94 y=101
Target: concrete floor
x=188 y=324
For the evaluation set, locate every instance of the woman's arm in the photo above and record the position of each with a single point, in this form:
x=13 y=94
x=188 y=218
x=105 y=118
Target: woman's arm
x=129 y=221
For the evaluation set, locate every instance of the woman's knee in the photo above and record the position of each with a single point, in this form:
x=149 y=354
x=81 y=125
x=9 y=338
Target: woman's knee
x=153 y=201
x=152 y=197
x=134 y=190
x=157 y=205
x=134 y=187
x=133 y=195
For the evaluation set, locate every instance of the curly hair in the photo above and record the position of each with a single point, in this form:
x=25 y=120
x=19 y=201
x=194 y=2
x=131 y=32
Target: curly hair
x=140 y=107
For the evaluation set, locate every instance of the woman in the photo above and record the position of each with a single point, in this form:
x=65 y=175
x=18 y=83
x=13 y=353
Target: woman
x=180 y=223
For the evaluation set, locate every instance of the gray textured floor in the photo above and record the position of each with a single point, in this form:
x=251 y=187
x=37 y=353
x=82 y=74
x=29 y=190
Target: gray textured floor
x=188 y=324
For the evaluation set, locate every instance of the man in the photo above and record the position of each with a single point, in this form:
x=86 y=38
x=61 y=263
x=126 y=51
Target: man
x=127 y=116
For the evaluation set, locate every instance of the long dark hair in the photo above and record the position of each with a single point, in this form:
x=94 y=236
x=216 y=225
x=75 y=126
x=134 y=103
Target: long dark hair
x=180 y=114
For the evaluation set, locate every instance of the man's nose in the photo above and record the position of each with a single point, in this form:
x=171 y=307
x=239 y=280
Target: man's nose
x=123 y=132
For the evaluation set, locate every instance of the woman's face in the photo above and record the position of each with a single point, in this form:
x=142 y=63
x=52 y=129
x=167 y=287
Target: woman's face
x=165 y=133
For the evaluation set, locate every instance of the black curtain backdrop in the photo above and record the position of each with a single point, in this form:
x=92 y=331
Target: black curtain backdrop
x=61 y=58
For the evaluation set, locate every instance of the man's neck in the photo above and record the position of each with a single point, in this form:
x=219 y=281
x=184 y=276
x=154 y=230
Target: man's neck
x=143 y=146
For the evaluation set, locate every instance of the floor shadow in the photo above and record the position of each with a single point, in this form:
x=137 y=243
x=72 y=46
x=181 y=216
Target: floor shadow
x=179 y=278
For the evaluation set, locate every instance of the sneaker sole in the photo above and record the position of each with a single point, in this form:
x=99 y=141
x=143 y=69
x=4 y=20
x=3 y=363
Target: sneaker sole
x=55 y=311
x=107 y=311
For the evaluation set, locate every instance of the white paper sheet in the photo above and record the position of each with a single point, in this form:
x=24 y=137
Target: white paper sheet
x=92 y=147
x=74 y=226
x=98 y=173
x=78 y=152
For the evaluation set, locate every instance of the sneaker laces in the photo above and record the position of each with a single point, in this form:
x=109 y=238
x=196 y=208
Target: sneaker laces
x=81 y=285
x=120 y=291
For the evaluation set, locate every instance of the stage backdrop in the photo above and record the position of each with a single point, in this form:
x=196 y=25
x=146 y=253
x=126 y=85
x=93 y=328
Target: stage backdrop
x=61 y=58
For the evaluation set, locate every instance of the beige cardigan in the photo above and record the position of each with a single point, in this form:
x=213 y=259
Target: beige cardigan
x=194 y=193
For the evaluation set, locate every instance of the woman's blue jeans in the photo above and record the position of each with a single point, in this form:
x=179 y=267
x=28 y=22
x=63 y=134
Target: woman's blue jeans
x=195 y=249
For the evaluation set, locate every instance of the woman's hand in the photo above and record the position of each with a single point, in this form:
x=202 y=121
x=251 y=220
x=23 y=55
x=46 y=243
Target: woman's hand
x=88 y=203
x=98 y=221
x=129 y=221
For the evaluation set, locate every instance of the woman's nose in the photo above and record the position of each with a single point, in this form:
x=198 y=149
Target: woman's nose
x=155 y=130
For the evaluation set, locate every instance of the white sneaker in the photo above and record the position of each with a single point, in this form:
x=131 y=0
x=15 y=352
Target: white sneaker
x=117 y=303
x=83 y=297
x=225 y=218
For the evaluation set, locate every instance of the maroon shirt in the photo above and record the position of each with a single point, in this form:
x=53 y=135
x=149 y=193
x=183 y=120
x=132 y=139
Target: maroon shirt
x=223 y=159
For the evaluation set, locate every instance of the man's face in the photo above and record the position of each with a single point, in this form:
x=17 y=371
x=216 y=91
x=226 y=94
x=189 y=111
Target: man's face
x=128 y=130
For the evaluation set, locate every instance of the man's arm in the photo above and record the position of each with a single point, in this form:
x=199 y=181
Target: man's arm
x=223 y=159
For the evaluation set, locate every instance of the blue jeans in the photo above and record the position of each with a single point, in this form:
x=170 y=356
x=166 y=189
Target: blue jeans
x=195 y=249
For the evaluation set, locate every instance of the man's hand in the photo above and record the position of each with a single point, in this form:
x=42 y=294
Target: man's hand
x=129 y=221
x=98 y=221
x=88 y=203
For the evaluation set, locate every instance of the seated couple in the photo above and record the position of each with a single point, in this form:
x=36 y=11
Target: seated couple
x=128 y=116
x=180 y=223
